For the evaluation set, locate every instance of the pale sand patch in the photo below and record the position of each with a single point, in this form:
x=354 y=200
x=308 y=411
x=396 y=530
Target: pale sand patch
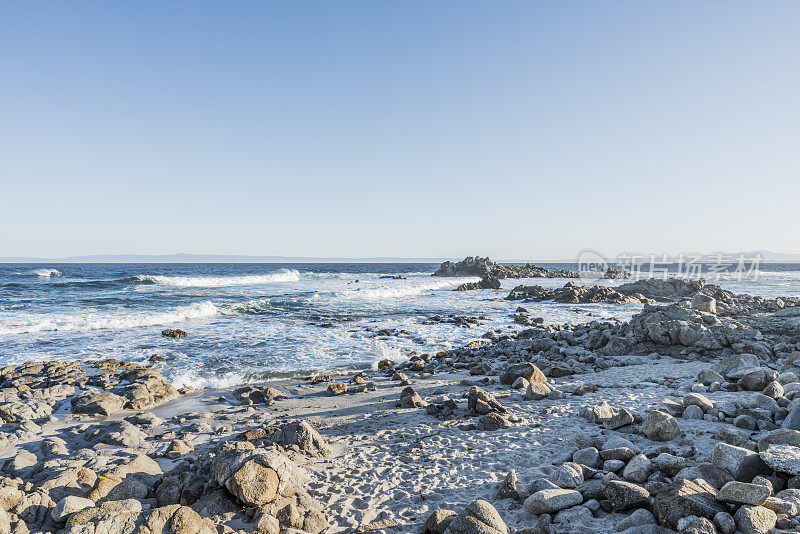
x=403 y=463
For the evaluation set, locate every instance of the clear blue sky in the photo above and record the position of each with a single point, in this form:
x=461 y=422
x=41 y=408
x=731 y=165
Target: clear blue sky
x=404 y=128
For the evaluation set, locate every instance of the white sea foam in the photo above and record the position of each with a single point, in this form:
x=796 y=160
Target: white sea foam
x=41 y=273
x=284 y=275
x=406 y=288
x=191 y=378
x=28 y=323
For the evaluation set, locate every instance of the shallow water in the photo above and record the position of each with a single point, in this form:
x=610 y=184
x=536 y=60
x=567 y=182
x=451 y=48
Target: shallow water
x=258 y=321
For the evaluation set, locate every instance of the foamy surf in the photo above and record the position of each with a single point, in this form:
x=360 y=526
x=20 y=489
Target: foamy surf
x=29 y=323
x=191 y=378
x=408 y=288
x=284 y=275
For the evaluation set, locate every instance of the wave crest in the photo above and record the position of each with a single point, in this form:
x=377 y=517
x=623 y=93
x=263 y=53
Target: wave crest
x=41 y=273
x=284 y=275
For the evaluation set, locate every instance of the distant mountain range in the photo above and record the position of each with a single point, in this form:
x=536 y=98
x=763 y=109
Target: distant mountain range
x=765 y=255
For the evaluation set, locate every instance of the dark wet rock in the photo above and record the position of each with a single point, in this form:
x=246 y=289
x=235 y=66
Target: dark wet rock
x=442 y=407
x=248 y=395
x=487 y=282
x=174 y=333
x=508 y=487
x=409 y=398
x=480 y=402
x=493 y=421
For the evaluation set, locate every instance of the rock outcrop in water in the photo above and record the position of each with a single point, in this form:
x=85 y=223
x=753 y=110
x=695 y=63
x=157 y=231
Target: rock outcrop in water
x=487 y=282
x=485 y=268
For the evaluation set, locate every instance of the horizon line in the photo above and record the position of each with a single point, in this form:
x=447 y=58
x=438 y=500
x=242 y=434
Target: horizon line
x=186 y=257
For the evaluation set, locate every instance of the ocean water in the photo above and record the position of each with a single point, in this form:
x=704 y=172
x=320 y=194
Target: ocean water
x=254 y=322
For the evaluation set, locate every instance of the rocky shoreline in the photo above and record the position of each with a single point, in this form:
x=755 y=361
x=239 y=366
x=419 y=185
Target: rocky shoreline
x=684 y=419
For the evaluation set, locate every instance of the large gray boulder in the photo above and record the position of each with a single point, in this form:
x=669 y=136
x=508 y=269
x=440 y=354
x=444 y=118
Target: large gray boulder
x=479 y=517
x=548 y=501
x=743 y=493
x=525 y=370
x=743 y=464
x=254 y=476
x=755 y=519
x=660 y=426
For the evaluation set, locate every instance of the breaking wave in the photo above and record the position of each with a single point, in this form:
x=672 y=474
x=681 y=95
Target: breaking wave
x=81 y=323
x=41 y=273
x=284 y=275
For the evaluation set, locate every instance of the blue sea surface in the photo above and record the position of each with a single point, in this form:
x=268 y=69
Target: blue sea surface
x=252 y=322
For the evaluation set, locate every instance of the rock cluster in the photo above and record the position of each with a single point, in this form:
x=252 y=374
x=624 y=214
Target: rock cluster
x=248 y=483
x=35 y=390
x=571 y=293
x=643 y=466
